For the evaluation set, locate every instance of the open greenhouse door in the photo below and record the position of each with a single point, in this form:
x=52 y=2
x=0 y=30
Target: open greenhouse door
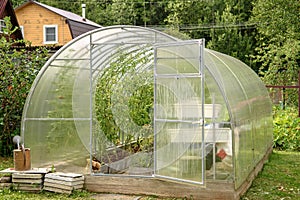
x=179 y=111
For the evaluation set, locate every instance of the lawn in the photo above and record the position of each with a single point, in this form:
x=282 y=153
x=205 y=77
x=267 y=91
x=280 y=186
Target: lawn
x=279 y=180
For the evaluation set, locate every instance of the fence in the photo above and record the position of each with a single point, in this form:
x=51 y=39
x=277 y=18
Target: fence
x=280 y=95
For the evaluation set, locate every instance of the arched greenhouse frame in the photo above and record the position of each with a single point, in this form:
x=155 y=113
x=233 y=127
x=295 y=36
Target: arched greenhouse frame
x=149 y=107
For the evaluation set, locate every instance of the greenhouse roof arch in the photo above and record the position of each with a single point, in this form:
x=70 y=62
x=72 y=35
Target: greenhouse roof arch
x=58 y=121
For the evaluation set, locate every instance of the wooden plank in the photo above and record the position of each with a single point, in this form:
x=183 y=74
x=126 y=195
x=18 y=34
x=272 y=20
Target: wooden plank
x=218 y=190
x=62 y=186
x=68 y=183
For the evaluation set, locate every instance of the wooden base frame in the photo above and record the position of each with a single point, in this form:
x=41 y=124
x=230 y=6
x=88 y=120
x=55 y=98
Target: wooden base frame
x=164 y=188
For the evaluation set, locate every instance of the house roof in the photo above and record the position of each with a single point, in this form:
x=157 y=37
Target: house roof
x=63 y=13
x=6 y=9
x=2 y=7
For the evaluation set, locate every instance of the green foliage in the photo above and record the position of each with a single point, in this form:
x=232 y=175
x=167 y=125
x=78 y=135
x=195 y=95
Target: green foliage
x=18 y=70
x=186 y=13
x=124 y=97
x=278 y=36
x=286 y=129
x=176 y=33
x=269 y=46
x=17 y=3
x=193 y=19
x=231 y=40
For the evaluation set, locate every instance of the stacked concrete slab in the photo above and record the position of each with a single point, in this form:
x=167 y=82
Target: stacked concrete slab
x=63 y=182
x=27 y=182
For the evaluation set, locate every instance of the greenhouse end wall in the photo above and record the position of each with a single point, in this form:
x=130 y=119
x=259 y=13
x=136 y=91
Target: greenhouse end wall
x=82 y=108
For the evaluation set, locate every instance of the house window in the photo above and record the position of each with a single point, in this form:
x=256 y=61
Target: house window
x=50 y=34
x=2 y=25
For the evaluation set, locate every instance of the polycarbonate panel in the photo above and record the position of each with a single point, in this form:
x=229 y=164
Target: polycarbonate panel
x=76 y=49
x=249 y=107
x=54 y=143
x=178 y=116
x=186 y=61
x=38 y=106
x=218 y=131
x=179 y=151
x=81 y=92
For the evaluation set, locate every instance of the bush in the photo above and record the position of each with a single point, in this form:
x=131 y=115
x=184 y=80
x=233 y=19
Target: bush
x=19 y=68
x=286 y=129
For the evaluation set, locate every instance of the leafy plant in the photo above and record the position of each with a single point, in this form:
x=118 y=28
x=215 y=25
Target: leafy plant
x=124 y=97
x=286 y=129
x=278 y=44
x=19 y=68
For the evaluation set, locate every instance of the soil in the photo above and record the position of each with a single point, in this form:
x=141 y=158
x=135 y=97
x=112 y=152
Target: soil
x=115 y=197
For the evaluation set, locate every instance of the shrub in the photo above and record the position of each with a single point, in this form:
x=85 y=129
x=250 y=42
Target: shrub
x=286 y=129
x=19 y=68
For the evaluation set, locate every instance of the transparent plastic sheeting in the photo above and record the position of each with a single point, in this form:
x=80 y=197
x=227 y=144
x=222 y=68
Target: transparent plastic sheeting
x=178 y=124
x=60 y=127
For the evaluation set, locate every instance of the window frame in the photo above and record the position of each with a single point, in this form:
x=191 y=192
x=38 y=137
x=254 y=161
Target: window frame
x=2 y=25
x=45 y=36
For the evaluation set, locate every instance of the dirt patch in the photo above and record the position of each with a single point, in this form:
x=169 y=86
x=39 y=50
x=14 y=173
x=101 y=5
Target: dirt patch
x=115 y=197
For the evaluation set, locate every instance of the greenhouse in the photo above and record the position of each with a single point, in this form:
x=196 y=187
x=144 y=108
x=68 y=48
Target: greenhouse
x=125 y=103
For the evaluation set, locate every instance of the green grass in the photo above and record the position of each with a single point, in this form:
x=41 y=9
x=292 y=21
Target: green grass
x=279 y=180
x=14 y=195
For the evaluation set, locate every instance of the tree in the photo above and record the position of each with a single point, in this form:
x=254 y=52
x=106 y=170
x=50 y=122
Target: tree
x=278 y=36
x=136 y=12
x=17 y=3
x=190 y=16
x=18 y=70
x=231 y=37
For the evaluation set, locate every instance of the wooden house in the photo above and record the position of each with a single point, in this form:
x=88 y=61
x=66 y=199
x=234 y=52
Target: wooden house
x=45 y=25
x=6 y=10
